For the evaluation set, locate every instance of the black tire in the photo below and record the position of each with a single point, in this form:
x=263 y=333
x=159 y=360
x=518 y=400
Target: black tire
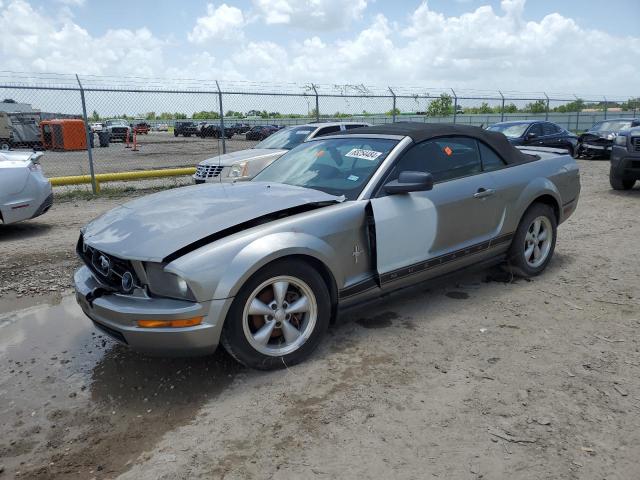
x=233 y=336
x=620 y=183
x=517 y=258
x=187 y=134
x=175 y=134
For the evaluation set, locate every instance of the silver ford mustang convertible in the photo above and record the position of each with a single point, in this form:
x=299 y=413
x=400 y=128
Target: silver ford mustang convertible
x=264 y=266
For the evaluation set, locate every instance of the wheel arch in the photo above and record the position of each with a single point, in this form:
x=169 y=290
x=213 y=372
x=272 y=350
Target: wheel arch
x=549 y=200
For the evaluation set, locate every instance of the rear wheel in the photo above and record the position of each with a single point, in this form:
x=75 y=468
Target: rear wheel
x=279 y=316
x=534 y=242
x=620 y=183
x=175 y=134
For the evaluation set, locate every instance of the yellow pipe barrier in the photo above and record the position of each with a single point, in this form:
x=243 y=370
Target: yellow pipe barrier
x=122 y=176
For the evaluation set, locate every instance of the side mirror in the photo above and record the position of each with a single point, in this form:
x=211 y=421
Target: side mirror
x=531 y=136
x=410 y=181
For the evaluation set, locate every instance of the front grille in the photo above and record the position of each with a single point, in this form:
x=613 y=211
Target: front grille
x=96 y=261
x=119 y=130
x=635 y=144
x=208 y=171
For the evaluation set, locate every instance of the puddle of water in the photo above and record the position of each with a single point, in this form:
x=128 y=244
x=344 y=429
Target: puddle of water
x=72 y=396
x=11 y=302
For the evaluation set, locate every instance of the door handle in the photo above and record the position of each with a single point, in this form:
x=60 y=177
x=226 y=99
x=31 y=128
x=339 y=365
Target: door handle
x=484 y=192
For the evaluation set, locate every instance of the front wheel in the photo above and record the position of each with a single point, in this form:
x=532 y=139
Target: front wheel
x=620 y=183
x=534 y=242
x=279 y=316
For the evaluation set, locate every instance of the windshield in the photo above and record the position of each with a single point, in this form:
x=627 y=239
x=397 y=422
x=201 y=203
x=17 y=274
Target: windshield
x=338 y=166
x=286 y=138
x=611 y=126
x=510 y=130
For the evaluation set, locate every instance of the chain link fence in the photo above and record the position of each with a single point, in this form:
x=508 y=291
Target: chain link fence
x=159 y=124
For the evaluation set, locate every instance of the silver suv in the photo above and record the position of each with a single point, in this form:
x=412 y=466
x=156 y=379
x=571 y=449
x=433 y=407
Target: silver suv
x=246 y=164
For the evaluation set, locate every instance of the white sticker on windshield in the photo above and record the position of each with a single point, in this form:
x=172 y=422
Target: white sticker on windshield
x=302 y=132
x=353 y=178
x=370 y=155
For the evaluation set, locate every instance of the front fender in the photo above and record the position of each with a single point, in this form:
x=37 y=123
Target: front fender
x=264 y=250
x=219 y=270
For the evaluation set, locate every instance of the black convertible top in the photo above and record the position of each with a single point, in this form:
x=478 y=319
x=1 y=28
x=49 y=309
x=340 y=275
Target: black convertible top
x=420 y=132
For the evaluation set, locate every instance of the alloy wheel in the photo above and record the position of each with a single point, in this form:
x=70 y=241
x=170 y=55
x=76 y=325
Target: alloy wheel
x=538 y=240
x=280 y=315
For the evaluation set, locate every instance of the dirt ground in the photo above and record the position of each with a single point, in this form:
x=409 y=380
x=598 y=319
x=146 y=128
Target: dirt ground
x=155 y=150
x=477 y=377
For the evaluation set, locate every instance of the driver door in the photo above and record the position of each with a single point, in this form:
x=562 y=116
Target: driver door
x=436 y=230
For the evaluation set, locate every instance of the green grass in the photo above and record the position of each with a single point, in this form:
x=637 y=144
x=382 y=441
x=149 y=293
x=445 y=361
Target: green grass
x=106 y=192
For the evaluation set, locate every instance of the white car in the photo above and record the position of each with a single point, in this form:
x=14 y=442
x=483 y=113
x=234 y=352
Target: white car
x=246 y=164
x=25 y=193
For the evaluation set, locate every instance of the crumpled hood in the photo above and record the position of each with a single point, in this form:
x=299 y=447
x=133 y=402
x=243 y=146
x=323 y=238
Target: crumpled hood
x=229 y=159
x=155 y=226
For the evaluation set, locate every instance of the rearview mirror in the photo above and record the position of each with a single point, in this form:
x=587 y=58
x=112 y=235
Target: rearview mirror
x=410 y=181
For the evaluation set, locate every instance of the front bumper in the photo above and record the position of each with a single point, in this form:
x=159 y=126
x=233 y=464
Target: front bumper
x=117 y=316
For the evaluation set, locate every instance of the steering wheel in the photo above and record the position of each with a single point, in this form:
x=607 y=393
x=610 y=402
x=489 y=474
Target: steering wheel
x=328 y=171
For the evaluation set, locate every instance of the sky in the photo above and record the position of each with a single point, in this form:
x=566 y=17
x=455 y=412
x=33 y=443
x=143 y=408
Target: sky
x=568 y=46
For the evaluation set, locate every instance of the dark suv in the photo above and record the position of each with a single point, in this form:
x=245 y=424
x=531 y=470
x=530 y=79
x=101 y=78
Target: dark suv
x=185 y=128
x=625 y=159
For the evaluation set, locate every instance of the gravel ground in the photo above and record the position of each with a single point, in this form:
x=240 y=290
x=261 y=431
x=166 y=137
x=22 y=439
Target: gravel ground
x=155 y=150
x=477 y=377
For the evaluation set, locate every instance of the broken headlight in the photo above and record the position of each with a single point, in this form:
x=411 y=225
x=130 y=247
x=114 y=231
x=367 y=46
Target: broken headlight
x=165 y=284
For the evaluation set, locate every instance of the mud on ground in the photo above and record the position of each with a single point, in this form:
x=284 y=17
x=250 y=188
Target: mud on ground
x=477 y=377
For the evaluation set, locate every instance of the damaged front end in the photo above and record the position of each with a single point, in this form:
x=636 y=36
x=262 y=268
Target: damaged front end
x=595 y=145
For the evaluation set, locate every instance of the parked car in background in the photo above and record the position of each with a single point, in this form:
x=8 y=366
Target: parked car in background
x=537 y=133
x=24 y=191
x=241 y=127
x=245 y=164
x=185 y=128
x=118 y=130
x=162 y=127
x=214 y=130
x=141 y=127
x=260 y=132
x=264 y=266
x=598 y=140
x=96 y=127
x=625 y=159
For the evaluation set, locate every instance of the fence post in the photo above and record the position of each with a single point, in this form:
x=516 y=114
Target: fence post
x=546 y=111
x=502 y=107
x=606 y=107
x=224 y=145
x=393 y=110
x=455 y=105
x=315 y=91
x=577 y=114
x=87 y=132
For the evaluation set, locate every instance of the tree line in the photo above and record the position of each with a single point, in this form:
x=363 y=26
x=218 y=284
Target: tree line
x=441 y=106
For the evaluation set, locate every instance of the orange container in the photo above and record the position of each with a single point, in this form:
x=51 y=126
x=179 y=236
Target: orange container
x=63 y=134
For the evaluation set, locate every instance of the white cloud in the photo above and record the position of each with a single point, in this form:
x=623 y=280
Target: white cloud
x=59 y=45
x=484 y=48
x=72 y=3
x=311 y=14
x=222 y=23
